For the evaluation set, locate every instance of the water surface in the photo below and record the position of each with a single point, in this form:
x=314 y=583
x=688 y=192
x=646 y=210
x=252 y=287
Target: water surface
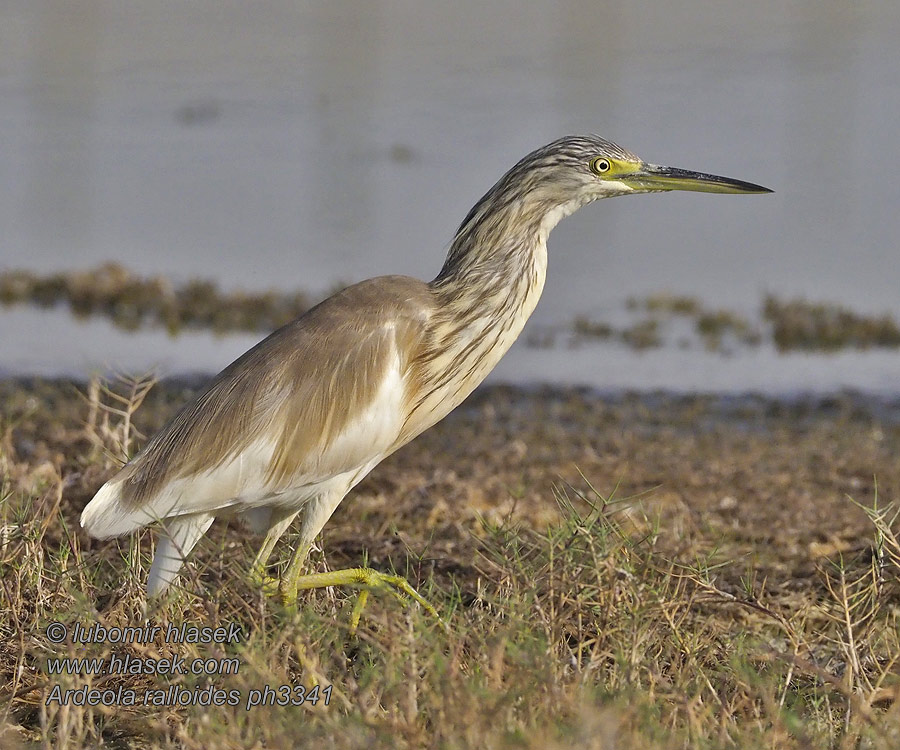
x=296 y=145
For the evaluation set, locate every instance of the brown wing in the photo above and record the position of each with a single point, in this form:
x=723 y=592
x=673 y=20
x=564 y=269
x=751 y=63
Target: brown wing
x=301 y=386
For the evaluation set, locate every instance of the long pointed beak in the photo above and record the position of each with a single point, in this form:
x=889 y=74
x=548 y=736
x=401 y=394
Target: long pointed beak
x=652 y=177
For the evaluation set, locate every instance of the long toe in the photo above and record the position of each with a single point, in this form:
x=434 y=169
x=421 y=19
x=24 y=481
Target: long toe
x=399 y=584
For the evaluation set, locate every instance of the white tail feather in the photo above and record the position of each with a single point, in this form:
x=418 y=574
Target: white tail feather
x=101 y=516
x=177 y=538
x=105 y=516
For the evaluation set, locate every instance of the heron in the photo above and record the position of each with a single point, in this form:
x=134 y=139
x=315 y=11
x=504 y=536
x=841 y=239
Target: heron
x=290 y=427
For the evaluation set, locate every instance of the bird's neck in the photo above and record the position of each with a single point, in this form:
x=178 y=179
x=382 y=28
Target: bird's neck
x=497 y=263
x=494 y=272
x=486 y=291
x=495 y=244
x=489 y=286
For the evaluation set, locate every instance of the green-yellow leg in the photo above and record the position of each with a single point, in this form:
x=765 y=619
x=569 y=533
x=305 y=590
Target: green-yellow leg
x=258 y=576
x=293 y=581
x=358 y=606
x=261 y=579
x=290 y=576
x=370 y=579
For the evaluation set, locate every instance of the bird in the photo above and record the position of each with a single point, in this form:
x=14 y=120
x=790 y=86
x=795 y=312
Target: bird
x=290 y=427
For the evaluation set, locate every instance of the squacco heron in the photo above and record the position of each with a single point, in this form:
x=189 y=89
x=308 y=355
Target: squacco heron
x=289 y=428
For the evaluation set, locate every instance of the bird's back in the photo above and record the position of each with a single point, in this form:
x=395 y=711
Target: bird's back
x=323 y=396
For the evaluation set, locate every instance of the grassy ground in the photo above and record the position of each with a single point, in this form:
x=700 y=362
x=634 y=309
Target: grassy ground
x=637 y=571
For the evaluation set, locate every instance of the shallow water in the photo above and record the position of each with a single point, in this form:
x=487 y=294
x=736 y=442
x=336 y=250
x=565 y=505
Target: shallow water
x=296 y=145
x=97 y=346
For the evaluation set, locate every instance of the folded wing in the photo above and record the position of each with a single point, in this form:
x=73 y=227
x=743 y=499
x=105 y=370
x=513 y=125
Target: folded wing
x=315 y=403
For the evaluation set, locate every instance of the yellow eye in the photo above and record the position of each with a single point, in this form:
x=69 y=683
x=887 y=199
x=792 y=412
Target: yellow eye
x=600 y=165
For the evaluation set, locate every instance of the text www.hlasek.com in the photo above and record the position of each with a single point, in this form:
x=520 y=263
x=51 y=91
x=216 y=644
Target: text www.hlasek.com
x=127 y=664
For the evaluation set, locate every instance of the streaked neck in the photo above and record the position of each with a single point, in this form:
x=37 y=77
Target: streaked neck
x=486 y=291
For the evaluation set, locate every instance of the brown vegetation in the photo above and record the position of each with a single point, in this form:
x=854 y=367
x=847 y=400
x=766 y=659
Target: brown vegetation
x=133 y=302
x=717 y=589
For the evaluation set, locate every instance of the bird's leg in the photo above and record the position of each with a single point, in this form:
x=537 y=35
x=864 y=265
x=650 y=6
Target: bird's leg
x=258 y=577
x=288 y=586
x=292 y=580
x=315 y=515
x=358 y=606
x=365 y=577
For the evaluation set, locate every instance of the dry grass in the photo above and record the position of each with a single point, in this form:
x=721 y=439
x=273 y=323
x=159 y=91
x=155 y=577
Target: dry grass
x=602 y=629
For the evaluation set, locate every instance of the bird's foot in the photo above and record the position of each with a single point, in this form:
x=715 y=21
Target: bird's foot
x=367 y=578
x=260 y=579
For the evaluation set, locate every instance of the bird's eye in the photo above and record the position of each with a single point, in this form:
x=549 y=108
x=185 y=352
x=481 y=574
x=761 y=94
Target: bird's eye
x=600 y=165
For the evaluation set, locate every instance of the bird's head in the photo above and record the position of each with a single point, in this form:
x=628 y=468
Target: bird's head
x=557 y=179
x=586 y=168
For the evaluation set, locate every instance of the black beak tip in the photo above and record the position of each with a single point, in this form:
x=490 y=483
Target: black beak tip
x=748 y=187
